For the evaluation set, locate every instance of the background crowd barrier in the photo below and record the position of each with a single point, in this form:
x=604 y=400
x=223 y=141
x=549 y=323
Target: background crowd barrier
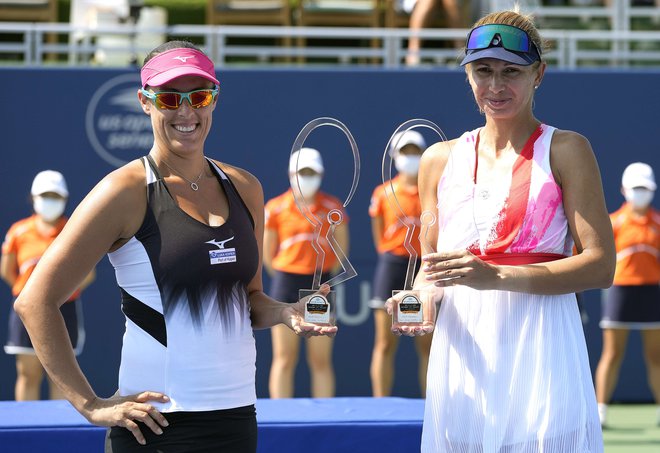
x=85 y=122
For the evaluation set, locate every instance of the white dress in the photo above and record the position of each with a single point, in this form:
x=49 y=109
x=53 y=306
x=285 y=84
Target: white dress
x=508 y=372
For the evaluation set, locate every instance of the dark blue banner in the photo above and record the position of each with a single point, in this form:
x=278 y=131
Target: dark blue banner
x=85 y=123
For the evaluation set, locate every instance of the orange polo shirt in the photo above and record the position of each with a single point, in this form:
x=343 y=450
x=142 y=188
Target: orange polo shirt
x=637 y=241
x=295 y=233
x=394 y=230
x=28 y=244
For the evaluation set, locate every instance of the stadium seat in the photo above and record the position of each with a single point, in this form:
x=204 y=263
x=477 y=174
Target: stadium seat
x=248 y=12
x=28 y=10
x=340 y=13
x=344 y=13
x=31 y=11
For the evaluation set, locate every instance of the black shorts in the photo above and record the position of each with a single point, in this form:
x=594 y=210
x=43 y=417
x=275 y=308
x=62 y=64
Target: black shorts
x=226 y=431
x=631 y=307
x=18 y=340
x=390 y=275
x=284 y=286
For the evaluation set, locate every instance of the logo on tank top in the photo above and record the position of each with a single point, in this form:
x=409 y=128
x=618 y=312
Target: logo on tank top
x=222 y=255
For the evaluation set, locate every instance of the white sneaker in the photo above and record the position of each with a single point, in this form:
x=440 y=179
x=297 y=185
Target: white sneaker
x=602 y=414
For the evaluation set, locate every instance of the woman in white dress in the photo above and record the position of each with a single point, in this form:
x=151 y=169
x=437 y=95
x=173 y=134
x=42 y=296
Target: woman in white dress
x=509 y=370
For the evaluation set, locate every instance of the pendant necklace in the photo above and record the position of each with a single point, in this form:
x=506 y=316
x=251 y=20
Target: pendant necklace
x=193 y=184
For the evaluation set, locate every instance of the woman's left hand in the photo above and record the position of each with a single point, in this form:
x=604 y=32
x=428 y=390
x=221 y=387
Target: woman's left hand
x=459 y=267
x=295 y=319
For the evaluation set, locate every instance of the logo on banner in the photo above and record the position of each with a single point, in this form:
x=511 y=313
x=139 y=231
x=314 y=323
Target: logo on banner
x=116 y=126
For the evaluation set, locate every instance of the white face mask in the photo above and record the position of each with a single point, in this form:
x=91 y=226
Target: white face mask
x=639 y=198
x=407 y=164
x=49 y=209
x=309 y=185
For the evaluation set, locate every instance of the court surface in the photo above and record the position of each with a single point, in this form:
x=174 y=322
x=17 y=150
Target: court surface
x=632 y=429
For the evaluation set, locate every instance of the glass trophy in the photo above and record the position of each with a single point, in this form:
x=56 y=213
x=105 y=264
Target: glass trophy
x=415 y=307
x=320 y=308
x=411 y=307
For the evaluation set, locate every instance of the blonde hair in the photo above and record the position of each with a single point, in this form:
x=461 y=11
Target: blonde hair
x=516 y=19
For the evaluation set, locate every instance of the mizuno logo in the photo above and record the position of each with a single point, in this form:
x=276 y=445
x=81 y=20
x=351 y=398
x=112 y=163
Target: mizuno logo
x=182 y=59
x=219 y=244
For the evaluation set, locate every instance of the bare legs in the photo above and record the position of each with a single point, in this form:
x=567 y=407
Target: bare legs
x=29 y=374
x=286 y=349
x=382 y=359
x=651 y=339
x=319 y=359
x=607 y=372
x=421 y=18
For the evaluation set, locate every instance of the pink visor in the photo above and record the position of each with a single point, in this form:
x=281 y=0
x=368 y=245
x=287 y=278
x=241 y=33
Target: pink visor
x=176 y=63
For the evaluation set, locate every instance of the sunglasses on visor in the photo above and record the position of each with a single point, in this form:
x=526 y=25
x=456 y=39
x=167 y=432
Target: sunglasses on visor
x=171 y=100
x=510 y=37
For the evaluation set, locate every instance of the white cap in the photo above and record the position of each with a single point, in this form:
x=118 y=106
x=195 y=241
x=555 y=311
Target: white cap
x=49 y=181
x=409 y=137
x=638 y=175
x=309 y=158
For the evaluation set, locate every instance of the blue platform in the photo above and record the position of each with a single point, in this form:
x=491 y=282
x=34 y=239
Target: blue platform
x=333 y=425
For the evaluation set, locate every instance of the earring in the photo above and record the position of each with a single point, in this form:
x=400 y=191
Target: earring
x=536 y=87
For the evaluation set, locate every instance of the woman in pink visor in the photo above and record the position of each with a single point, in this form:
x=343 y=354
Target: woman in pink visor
x=184 y=233
x=508 y=369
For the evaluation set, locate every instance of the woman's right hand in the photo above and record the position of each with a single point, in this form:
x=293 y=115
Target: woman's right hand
x=418 y=330
x=125 y=411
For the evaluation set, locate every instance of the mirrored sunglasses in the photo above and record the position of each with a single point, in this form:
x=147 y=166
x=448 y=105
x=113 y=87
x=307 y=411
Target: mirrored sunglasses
x=171 y=100
x=510 y=37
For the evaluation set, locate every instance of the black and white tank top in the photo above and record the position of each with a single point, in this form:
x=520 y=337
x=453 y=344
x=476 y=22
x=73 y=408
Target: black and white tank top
x=184 y=294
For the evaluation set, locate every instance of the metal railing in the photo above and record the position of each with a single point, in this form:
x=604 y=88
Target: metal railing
x=619 y=13
x=122 y=45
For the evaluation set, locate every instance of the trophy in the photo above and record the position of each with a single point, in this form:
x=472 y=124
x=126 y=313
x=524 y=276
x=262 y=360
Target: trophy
x=415 y=307
x=412 y=307
x=319 y=308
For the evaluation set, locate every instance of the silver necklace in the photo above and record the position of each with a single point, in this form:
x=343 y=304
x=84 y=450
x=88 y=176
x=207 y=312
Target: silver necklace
x=193 y=184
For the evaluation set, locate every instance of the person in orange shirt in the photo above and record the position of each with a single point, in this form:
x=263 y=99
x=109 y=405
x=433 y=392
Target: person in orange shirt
x=633 y=302
x=389 y=234
x=290 y=260
x=25 y=243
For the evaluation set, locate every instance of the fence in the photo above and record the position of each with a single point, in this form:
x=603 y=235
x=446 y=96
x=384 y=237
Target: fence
x=23 y=44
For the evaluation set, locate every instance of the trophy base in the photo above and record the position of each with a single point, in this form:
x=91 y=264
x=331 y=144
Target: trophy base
x=413 y=308
x=319 y=309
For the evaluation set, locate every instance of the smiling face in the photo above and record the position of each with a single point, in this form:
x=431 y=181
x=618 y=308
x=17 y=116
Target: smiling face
x=184 y=130
x=504 y=90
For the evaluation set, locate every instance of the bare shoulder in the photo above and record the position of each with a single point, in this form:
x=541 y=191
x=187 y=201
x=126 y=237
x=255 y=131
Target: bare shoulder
x=124 y=182
x=571 y=154
x=438 y=153
x=564 y=140
x=435 y=159
x=119 y=199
